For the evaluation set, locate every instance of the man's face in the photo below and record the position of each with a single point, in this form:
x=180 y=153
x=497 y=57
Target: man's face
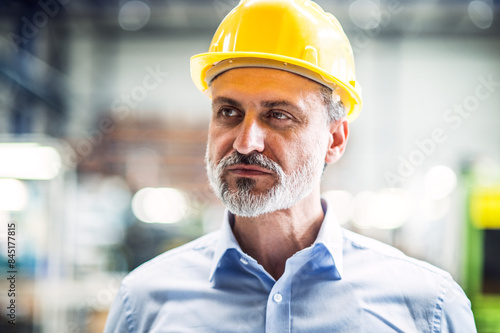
x=267 y=139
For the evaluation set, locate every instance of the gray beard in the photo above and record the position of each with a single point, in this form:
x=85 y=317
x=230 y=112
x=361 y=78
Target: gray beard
x=288 y=190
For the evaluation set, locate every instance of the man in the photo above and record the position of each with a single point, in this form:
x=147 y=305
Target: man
x=281 y=78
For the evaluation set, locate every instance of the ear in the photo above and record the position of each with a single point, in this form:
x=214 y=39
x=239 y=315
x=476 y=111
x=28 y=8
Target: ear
x=337 y=140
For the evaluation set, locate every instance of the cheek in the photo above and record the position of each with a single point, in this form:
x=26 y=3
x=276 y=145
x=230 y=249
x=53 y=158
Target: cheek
x=219 y=144
x=310 y=147
x=289 y=153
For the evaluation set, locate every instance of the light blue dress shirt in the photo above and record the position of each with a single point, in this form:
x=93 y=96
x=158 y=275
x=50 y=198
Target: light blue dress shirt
x=344 y=283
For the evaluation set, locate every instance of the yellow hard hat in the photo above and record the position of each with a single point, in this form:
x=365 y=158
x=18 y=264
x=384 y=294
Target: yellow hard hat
x=292 y=35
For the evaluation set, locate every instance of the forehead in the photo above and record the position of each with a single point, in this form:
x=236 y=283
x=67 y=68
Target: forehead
x=265 y=83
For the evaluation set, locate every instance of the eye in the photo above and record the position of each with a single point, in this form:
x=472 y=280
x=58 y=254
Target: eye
x=228 y=112
x=279 y=115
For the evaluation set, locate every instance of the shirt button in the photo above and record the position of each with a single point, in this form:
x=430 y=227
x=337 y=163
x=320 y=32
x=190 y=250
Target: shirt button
x=244 y=261
x=277 y=297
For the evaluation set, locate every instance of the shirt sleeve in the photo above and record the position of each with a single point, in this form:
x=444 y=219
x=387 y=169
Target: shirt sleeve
x=117 y=317
x=456 y=311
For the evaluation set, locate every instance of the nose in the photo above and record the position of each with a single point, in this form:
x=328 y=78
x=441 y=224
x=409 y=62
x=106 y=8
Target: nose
x=250 y=137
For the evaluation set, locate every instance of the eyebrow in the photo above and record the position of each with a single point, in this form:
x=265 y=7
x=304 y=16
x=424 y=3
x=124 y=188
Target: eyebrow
x=278 y=104
x=264 y=104
x=226 y=100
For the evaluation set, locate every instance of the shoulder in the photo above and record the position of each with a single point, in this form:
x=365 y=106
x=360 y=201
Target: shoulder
x=380 y=253
x=144 y=291
x=384 y=273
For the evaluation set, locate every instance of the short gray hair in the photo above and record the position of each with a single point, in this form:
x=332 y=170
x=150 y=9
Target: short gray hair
x=335 y=109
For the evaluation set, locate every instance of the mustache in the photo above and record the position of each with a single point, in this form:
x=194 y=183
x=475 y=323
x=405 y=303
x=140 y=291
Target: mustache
x=256 y=159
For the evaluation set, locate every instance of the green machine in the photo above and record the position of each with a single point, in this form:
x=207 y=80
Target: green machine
x=481 y=279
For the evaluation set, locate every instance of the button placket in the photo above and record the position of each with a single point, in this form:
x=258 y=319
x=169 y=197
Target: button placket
x=278 y=306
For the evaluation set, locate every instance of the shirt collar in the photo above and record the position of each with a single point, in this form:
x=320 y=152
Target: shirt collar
x=227 y=241
x=330 y=235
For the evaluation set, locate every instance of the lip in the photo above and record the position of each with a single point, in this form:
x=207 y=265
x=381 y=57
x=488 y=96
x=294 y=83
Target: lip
x=248 y=170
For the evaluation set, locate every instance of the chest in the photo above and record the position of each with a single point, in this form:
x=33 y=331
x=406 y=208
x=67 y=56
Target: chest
x=303 y=306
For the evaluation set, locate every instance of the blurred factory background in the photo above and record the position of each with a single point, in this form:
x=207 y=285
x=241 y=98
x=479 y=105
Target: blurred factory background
x=102 y=141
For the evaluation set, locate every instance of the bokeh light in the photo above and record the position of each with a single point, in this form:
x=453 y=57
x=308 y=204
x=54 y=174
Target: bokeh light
x=363 y=206
x=388 y=208
x=342 y=204
x=159 y=205
x=480 y=13
x=29 y=161
x=13 y=195
x=134 y=15
x=440 y=181
x=365 y=14
x=435 y=209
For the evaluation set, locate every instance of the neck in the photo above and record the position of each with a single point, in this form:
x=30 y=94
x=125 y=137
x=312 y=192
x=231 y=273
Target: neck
x=274 y=237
